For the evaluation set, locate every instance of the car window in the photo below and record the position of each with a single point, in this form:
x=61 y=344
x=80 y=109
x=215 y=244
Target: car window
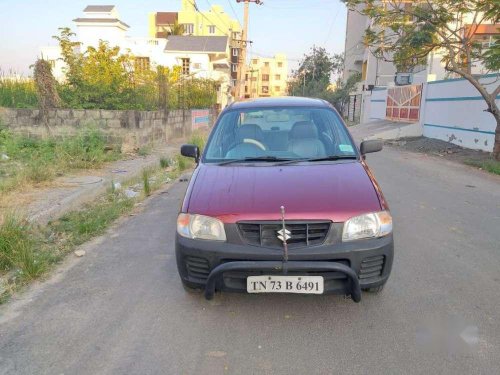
x=284 y=133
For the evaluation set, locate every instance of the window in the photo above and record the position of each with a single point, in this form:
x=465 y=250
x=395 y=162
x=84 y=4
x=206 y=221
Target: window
x=265 y=77
x=265 y=89
x=266 y=64
x=233 y=82
x=280 y=65
x=246 y=88
x=211 y=29
x=255 y=61
x=188 y=28
x=277 y=88
x=277 y=77
x=235 y=67
x=52 y=63
x=185 y=66
x=254 y=79
x=142 y=63
x=246 y=77
x=226 y=139
x=235 y=52
x=235 y=35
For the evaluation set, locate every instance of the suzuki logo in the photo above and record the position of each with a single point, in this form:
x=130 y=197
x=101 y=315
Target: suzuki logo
x=284 y=235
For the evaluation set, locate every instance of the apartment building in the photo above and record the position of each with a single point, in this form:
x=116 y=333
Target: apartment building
x=267 y=77
x=192 y=21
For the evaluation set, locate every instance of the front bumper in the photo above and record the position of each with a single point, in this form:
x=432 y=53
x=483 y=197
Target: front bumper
x=347 y=268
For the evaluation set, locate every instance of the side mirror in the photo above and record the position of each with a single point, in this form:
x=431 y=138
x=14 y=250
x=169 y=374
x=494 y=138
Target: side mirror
x=367 y=147
x=191 y=151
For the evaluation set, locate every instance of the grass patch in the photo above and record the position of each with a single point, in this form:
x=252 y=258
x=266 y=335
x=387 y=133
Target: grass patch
x=491 y=165
x=35 y=160
x=17 y=93
x=164 y=162
x=146 y=186
x=27 y=252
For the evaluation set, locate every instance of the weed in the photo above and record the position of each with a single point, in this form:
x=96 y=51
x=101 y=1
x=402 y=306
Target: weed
x=145 y=182
x=490 y=165
x=182 y=163
x=144 y=151
x=198 y=139
x=164 y=162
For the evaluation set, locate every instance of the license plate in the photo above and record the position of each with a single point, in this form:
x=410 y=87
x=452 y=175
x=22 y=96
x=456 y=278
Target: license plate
x=285 y=284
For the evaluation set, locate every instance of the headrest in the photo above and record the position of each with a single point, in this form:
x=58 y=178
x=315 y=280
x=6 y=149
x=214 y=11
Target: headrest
x=303 y=129
x=251 y=131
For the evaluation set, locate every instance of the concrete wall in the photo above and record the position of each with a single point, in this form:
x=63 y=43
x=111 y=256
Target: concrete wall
x=454 y=111
x=378 y=103
x=132 y=129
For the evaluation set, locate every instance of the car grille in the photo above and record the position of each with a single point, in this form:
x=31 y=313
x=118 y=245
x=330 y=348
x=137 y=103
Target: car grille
x=302 y=233
x=197 y=267
x=371 y=268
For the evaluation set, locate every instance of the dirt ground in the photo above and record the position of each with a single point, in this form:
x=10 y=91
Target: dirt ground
x=442 y=149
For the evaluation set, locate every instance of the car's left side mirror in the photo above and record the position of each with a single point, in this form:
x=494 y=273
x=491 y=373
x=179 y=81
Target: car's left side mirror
x=191 y=151
x=367 y=147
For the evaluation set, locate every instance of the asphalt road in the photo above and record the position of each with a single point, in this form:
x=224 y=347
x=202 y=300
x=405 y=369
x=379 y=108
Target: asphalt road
x=121 y=308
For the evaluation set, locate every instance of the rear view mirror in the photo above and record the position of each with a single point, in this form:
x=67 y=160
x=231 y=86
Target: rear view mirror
x=367 y=147
x=191 y=151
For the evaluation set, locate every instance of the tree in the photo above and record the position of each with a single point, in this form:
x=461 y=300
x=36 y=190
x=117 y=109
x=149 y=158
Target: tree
x=46 y=90
x=313 y=76
x=407 y=32
x=176 y=29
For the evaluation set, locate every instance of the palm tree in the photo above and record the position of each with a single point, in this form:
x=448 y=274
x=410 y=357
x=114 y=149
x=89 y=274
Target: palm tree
x=176 y=29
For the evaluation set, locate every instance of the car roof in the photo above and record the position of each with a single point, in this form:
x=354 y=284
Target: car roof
x=285 y=101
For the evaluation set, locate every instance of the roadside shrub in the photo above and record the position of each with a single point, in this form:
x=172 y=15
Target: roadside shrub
x=17 y=93
x=164 y=162
x=145 y=182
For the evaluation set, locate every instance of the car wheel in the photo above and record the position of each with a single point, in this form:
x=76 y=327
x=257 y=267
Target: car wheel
x=375 y=290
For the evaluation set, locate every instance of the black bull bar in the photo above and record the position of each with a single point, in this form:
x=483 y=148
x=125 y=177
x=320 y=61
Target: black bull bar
x=277 y=265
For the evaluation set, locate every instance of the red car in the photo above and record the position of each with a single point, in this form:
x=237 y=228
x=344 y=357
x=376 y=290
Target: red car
x=282 y=201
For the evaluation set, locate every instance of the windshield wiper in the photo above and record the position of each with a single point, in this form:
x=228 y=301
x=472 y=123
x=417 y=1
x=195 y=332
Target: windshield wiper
x=333 y=157
x=256 y=158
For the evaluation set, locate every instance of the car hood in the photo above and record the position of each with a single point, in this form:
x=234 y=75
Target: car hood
x=330 y=191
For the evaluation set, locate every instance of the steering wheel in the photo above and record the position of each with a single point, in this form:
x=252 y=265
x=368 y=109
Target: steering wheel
x=255 y=142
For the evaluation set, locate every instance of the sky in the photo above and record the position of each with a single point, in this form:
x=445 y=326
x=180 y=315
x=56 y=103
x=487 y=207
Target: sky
x=279 y=26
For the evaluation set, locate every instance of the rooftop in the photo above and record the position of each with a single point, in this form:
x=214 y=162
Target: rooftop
x=285 y=101
x=100 y=20
x=99 y=8
x=196 y=43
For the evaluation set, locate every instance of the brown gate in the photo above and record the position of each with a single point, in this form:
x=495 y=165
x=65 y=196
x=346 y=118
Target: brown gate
x=403 y=103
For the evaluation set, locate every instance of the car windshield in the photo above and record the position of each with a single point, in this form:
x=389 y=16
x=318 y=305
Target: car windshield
x=279 y=134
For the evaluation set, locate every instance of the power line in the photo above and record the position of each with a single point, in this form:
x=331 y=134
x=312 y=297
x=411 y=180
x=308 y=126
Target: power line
x=218 y=16
x=234 y=12
x=193 y=3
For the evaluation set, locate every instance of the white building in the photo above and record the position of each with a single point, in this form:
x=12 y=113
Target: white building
x=199 y=56
x=379 y=73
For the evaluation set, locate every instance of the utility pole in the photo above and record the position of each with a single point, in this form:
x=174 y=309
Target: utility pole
x=244 y=41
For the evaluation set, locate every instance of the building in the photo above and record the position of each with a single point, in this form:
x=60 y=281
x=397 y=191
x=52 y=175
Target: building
x=190 y=21
x=379 y=73
x=199 y=56
x=213 y=22
x=267 y=77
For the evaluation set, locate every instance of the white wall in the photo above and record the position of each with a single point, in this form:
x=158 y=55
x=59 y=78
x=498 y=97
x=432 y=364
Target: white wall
x=454 y=111
x=378 y=103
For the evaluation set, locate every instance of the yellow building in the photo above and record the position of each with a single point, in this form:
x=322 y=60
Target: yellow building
x=267 y=77
x=214 y=22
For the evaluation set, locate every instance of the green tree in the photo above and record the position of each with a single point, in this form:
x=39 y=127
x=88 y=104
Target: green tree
x=407 y=32
x=313 y=77
x=176 y=29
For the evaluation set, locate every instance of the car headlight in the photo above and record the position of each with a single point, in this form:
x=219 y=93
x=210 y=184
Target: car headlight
x=201 y=227
x=376 y=224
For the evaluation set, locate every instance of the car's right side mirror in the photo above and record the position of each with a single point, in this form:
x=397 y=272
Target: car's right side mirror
x=374 y=145
x=191 y=151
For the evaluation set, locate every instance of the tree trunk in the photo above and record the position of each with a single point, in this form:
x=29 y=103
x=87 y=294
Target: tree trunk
x=496 y=146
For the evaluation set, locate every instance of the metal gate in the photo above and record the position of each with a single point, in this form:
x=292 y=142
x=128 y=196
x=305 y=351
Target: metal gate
x=403 y=103
x=354 y=108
